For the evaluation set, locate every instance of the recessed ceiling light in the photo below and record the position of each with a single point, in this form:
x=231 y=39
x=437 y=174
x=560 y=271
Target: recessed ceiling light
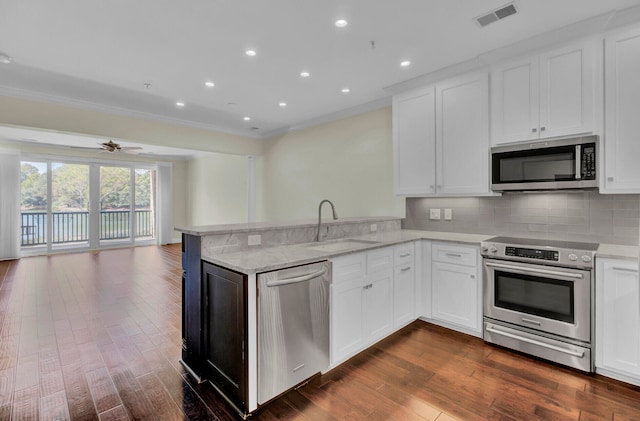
x=346 y=90
x=405 y=63
x=250 y=53
x=341 y=23
x=247 y=118
x=180 y=104
x=305 y=74
x=209 y=84
x=283 y=104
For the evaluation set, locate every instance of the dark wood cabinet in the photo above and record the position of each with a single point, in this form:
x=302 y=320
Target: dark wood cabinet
x=214 y=323
x=225 y=331
x=192 y=326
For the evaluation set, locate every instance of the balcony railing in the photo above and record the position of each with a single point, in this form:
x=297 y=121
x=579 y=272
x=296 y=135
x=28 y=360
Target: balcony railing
x=73 y=227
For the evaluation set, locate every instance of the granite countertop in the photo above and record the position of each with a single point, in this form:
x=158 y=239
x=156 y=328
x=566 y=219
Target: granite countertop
x=615 y=251
x=203 y=230
x=274 y=258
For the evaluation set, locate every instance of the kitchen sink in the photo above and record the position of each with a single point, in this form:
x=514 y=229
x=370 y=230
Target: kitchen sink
x=340 y=245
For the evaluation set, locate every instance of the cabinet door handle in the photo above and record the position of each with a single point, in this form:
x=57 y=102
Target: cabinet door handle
x=458 y=255
x=542 y=129
x=405 y=255
x=609 y=178
x=405 y=269
x=625 y=269
x=534 y=130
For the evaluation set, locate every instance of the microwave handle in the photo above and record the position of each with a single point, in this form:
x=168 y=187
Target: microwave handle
x=578 y=162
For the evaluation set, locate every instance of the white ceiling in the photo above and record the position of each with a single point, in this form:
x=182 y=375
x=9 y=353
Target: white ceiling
x=99 y=54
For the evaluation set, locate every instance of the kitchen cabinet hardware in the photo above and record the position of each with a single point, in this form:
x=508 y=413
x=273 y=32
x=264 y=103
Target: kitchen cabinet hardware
x=534 y=130
x=542 y=129
x=458 y=255
x=405 y=255
x=405 y=269
x=632 y=270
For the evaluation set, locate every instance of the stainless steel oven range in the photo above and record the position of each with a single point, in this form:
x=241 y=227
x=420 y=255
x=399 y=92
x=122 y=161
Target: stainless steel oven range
x=538 y=298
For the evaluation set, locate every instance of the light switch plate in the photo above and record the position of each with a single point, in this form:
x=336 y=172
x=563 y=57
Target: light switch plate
x=254 y=240
x=434 y=213
x=448 y=215
x=374 y=227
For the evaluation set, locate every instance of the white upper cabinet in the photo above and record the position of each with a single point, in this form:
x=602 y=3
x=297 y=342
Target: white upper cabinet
x=414 y=135
x=514 y=101
x=544 y=96
x=441 y=138
x=622 y=112
x=462 y=135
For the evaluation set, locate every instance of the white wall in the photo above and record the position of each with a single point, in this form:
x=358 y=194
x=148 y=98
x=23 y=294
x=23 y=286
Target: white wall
x=349 y=162
x=180 y=196
x=217 y=189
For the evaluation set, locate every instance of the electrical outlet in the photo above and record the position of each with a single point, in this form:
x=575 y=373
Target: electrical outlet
x=448 y=215
x=434 y=213
x=254 y=240
x=374 y=227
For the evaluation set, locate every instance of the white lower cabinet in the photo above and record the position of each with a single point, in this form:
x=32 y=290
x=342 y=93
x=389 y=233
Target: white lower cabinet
x=618 y=319
x=372 y=295
x=404 y=285
x=377 y=306
x=456 y=288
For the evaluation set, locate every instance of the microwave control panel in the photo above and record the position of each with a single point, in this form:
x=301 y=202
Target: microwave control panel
x=589 y=161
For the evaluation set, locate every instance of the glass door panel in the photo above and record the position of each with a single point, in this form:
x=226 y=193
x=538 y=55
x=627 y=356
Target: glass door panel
x=69 y=205
x=144 y=194
x=115 y=204
x=33 y=205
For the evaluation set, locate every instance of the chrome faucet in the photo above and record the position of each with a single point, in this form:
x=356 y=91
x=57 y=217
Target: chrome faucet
x=333 y=209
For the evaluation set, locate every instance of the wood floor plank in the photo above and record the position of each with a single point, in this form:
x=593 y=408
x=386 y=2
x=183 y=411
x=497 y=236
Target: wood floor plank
x=164 y=407
x=116 y=414
x=54 y=407
x=26 y=405
x=79 y=399
x=104 y=393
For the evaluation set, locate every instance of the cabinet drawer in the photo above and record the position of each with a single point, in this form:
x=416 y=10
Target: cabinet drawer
x=379 y=259
x=460 y=255
x=403 y=254
x=349 y=267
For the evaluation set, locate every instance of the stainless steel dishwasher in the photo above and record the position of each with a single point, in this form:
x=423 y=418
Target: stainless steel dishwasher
x=293 y=327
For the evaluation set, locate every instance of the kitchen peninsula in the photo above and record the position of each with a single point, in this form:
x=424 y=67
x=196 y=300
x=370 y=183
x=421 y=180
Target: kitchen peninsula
x=221 y=265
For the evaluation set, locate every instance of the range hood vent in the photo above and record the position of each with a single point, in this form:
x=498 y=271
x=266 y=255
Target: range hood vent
x=496 y=15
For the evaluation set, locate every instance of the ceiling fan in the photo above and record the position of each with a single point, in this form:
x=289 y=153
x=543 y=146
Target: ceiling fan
x=111 y=146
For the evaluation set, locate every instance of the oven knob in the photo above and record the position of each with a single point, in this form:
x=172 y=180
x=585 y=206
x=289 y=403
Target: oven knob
x=493 y=249
x=586 y=258
x=572 y=257
x=484 y=249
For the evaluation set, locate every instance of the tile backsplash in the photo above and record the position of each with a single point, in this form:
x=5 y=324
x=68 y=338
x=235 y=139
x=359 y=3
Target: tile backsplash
x=579 y=216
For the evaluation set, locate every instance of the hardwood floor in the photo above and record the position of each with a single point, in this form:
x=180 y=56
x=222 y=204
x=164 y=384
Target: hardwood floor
x=97 y=336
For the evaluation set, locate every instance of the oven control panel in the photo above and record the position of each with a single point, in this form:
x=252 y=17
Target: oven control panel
x=528 y=253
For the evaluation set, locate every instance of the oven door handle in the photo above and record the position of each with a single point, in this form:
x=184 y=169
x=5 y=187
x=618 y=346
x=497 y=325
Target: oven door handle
x=571 y=352
x=535 y=270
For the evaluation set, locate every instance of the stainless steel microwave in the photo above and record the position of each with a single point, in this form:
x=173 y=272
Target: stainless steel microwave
x=570 y=163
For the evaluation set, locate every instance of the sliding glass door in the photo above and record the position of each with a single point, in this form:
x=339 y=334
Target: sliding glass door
x=72 y=205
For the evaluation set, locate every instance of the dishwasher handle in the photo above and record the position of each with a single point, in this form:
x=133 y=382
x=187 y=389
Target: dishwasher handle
x=297 y=279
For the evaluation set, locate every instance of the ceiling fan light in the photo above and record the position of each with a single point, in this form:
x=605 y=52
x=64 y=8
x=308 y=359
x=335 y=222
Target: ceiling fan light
x=4 y=58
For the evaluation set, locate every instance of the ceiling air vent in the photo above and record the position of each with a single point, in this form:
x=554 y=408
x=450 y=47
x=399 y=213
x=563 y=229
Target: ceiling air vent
x=496 y=15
